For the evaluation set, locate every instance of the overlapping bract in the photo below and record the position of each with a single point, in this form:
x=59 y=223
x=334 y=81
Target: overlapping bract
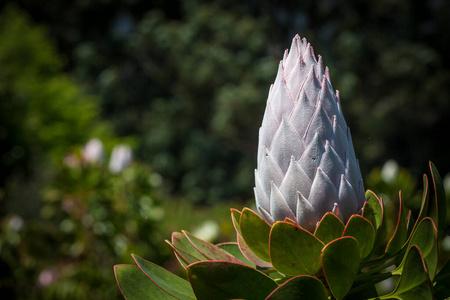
x=306 y=161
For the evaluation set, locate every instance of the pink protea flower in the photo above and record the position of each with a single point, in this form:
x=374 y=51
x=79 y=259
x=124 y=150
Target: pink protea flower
x=306 y=161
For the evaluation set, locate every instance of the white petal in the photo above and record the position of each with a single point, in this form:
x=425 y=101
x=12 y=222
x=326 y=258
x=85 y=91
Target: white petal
x=320 y=72
x=323 y=194
x=269 y=172
x=337 y=212
x=328 y=99
x=311 y=86
x=265 y=215
x=302 y=114
x=293 y=58
x=286 y=143
x=340 y=115
x=347 y=199
x=267 y=131
x=262 y=199
x=310 y=159
x=281 y=100
x=332 y=164
x=319 y=123
x=339 y=139
x=295 y=181
x=306 y=215
x=279 y=209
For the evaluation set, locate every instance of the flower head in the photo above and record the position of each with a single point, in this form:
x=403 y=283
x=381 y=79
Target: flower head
x=306 y=161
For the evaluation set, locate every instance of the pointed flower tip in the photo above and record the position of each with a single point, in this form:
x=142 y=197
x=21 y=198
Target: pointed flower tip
x=304 y=118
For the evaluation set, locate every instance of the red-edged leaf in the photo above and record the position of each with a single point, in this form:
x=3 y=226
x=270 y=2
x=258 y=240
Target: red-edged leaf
x=135 y=285
x=224 y=280
x=440 y=199
x=400 y=235
x=294 y=250
x=300 y=287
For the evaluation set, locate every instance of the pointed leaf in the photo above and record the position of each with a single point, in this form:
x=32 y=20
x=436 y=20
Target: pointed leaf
x=340 y=262
x=300 y=287
x=255 y=231
x=377 y=207
x=235 y=217
x=369 y=214
x=425 y=200
x=181 y=242
x=184 y=257
x=210 y=250
x=441 y=201
x=362 y=230
x=250 y=255
x=414 y=282
x=293 y=250
x=169 y=282
x=401 y=230
x=424 y=237
x=380 y=220
x=442 y=279
x=135 y=285
x=233 y=249
x=224 y=280
x=329 y=228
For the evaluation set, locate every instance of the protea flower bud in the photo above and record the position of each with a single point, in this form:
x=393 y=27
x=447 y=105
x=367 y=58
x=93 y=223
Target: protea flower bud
x=306 y=161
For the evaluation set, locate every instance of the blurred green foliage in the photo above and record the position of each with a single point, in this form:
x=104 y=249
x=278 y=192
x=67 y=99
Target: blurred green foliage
x=185 y=84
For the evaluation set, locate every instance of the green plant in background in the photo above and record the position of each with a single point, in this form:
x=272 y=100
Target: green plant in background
x=88 y=221
x=317 y=236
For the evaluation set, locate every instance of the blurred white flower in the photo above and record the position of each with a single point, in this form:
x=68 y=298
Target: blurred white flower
x=93 y=151
x=207 y=231
x=121 y=158
x=389 y=171
x=71 y=161
x=15 y=223
x=47 y=277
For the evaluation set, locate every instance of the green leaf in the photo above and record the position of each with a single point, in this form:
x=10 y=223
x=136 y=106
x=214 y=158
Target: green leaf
x=300 y=287
x=172 y=284
x=362 y=230
x=368 y=213
x=255 y=231
x=210 y=250
x=401 y=230
x=442 y=279
x=135 y=285
x=235 y=217
x=424 y=237
x=340 y=262
x=233 y=249
x=414 y=282
x=441 y=201
x=425 y=200
x=224 y=280
x=250 y=255
x=329 y=228
x=181 y=242
x=377 y=207
x=380 y=221
x=294 y=250
x=185 y=257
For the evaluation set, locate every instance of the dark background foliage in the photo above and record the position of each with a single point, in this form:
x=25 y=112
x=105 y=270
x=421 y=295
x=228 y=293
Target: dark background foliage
x=185 y=83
